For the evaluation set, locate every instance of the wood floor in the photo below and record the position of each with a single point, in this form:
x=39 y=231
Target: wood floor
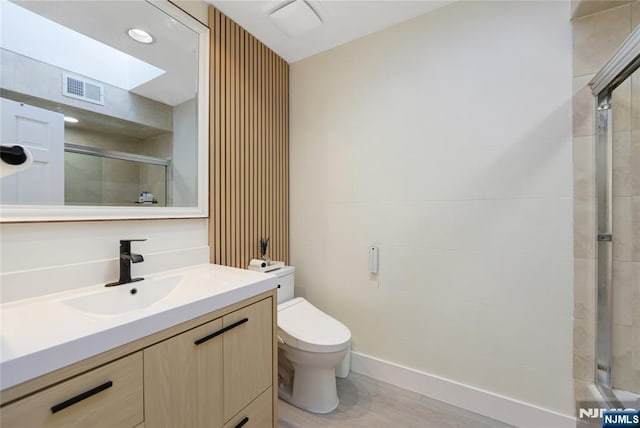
x=365 y=402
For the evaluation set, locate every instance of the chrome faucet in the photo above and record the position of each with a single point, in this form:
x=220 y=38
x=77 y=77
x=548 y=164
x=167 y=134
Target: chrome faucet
x=126 y=258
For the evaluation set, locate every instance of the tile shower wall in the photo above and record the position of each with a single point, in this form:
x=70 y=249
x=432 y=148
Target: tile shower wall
x=91 y=180
x=595 y=39
x=445 y=141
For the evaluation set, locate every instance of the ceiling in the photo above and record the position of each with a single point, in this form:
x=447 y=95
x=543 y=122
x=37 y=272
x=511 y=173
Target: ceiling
x=343 y=21
x=174 y=50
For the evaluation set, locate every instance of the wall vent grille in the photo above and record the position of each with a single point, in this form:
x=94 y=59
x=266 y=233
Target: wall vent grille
x=82 y=89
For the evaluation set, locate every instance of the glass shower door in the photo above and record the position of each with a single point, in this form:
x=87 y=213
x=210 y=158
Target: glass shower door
x=618 y=192
x=625 y=251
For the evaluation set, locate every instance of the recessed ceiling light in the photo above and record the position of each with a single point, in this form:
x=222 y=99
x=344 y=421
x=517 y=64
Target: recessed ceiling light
x=140 y=35
x=70 y=119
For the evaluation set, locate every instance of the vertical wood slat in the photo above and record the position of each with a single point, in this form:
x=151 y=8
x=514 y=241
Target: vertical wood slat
x=249 y=146
x=240 y=251
x=226 y=181
x=214 y=127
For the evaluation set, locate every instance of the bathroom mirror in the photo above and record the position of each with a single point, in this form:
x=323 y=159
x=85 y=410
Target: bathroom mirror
x=110 y=99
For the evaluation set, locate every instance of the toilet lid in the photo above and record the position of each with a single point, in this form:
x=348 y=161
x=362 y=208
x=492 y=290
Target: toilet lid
x=303 y=326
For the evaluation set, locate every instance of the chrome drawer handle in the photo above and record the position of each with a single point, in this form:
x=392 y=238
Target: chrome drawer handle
x=80 y=397
x=222 y=330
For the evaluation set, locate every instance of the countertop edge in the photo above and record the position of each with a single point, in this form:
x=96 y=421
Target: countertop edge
x=25 y=368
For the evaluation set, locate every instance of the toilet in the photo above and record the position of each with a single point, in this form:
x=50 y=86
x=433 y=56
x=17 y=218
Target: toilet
x=313 y=348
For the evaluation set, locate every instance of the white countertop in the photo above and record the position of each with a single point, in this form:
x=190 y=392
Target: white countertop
x=46 y=333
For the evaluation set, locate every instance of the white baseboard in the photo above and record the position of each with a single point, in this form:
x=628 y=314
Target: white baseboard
x=486 y=403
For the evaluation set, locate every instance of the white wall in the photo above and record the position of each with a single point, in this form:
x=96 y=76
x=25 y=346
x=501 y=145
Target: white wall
x=446 y=141
x=42 y=258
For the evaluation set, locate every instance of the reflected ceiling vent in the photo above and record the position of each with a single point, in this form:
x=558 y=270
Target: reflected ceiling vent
x=296 y=18
x=82 y=88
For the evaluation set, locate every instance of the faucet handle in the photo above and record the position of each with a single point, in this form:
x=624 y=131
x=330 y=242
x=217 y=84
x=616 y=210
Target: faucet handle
x=125 y=244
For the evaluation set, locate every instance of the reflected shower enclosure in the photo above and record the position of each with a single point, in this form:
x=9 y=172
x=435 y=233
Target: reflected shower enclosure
x=106 y=117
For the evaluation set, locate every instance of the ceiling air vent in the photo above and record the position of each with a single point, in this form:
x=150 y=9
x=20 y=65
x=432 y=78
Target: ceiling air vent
x=82 y=88
x=296 y=18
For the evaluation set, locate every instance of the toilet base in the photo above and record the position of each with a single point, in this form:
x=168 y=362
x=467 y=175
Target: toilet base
x=308 y=380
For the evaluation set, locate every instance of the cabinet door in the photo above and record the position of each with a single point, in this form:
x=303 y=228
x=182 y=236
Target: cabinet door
x=248 y=355
x=258 y=414
x=109 y=396
x=182 y=380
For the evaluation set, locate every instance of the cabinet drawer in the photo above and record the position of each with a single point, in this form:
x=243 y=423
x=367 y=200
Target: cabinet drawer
x=108 y=396
x=258 y=414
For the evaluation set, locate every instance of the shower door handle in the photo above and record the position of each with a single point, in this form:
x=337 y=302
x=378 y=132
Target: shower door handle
x=604 y=237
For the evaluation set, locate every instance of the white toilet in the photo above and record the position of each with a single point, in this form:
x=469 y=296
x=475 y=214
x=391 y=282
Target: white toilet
x=313 y=350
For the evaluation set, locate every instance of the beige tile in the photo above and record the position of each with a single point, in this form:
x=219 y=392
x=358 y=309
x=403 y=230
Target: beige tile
x=635 y=99
x=582 y=390
x=581 y=8
x=583 y=367
x=635 y=226
x=621 y=107
x=635 y=163
x=584 y=295
x=584 y=338
x=622 y=293
x=635 y=294
x=635 y=348
x=584 y=229
x=622 y=228
x=596 y=37
x=621 y=373
x=635 y=14
x=621 y=340
x=584 y=107
x=583 y=168
x=621 y=163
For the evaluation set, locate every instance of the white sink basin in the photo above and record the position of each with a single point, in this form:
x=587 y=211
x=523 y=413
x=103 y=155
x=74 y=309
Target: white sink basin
x=49 y=332
x=125 y=298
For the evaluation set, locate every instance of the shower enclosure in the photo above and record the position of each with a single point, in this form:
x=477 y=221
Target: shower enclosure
x=617 y=165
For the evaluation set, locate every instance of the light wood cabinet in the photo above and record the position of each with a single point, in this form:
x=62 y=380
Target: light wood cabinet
x=248 y=353
x=183 y=381
x=109 y=396
x=188 y=375
x=213 y=371
x=258 y=414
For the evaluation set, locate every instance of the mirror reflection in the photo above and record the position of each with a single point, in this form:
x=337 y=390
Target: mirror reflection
x=103 y=97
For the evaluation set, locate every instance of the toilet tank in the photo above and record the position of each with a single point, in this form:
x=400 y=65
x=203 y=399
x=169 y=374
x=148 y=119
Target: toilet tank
x=285 y=283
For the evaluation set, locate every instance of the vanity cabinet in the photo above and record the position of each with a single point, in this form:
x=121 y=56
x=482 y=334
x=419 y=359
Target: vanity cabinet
x=109 y=396
x=215 y=371
x=248 y=356
x=187 y=376
x=258 y=414
x=183 y=381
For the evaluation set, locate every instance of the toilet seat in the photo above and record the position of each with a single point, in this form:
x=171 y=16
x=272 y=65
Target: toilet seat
x=303 y=326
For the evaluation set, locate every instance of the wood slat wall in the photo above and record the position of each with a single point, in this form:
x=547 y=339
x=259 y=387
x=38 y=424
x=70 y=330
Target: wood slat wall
x=249 y=146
